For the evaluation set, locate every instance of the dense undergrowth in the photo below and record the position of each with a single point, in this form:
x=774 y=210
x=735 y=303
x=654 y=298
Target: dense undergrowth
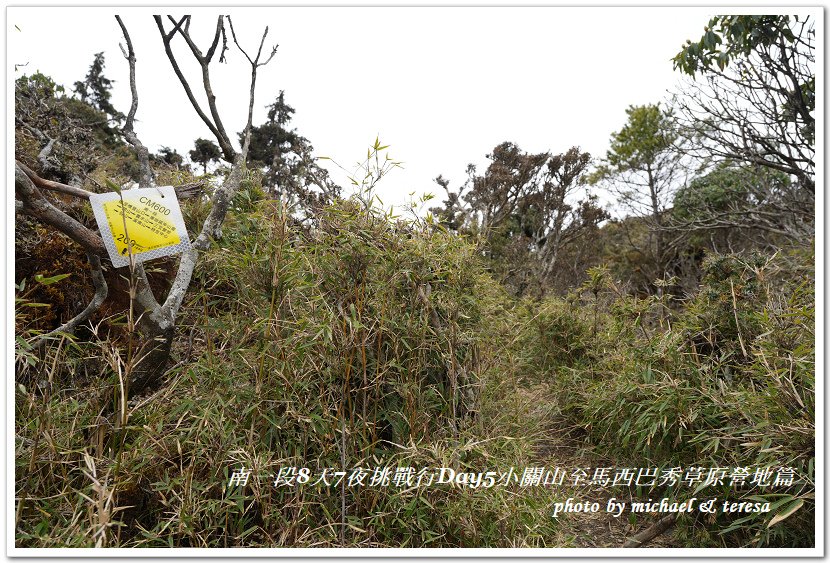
x=363 y=341
x=723 y=379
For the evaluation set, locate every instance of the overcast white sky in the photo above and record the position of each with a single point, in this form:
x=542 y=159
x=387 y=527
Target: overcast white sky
x=442 y=86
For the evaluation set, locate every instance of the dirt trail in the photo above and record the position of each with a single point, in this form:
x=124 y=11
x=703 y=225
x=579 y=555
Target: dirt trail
x=565 y=447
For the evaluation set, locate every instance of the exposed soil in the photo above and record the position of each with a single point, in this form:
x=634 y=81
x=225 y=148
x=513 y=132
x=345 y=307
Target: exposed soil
x=566 y=447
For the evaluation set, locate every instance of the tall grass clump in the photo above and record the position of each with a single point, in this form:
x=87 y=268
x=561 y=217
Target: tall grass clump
x=352 y=341
x=724 y=379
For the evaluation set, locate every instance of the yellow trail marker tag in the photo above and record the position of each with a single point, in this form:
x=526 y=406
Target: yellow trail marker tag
x=145 y=222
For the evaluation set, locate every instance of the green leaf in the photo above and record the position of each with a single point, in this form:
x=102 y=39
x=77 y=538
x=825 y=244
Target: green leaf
x=784 y=514
x=113 y=186
x=49 y=281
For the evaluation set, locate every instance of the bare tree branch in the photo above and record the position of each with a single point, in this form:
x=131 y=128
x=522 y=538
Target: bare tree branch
x=156 y=321
x=51 y=185
x=211 y=228
x=222 y=196
x=224 y=142
x=144 y=294
x=48 y=142
x=219 y=31
x=37 y=206
x=254 y=62
x=143 y=155
x=233 y=34
x=101 y=291
x=215 y=125
x=183 y=191
x=254 y=65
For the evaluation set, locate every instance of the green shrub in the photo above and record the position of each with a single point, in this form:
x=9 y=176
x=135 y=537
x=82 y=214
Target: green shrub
x=732 y=383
